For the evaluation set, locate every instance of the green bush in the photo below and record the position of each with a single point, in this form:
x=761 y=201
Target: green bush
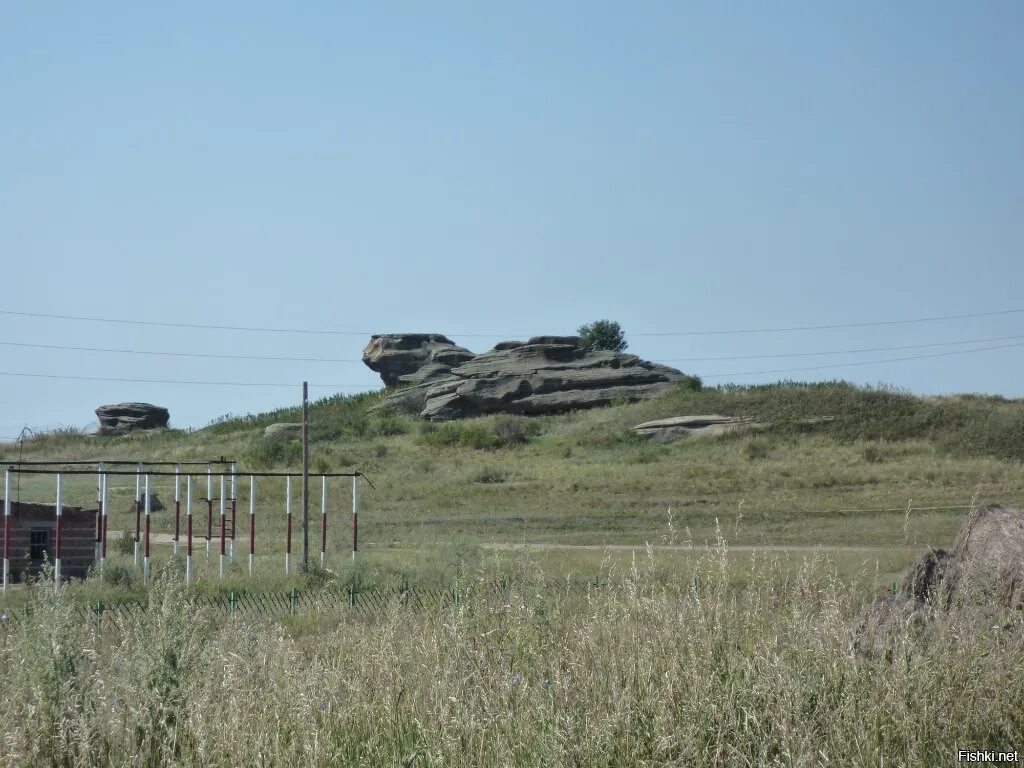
x=118 y=575
x=603 y=334
x=125 y=543
x=490 y=475
x=757 y=449
x=385 y=426
x=270 y=452
x=453 y=433
x=514 y=430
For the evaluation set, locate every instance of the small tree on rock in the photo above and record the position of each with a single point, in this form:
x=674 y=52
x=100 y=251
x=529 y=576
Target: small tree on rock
x=603 y=334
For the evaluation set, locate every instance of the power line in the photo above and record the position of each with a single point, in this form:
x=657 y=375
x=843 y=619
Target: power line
x=871 y=324
x=360 y=386
x=174 y=381
x=838 y=352
x=862 y=362
x=180 y=354
x=212 y=356
x=328 y=332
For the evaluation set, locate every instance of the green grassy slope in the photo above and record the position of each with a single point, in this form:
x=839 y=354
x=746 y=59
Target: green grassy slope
x=582 y=479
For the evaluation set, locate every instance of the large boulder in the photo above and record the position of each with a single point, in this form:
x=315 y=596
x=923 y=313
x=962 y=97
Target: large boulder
x=412 y=358
x=284 y=429
x=980 y=576
x=122 y=418
x=547 y=374
x=677 y=427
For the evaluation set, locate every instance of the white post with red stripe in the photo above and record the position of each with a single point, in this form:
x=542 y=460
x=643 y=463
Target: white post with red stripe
x=355 y=516
x=323 y=520
x=98 y=552
x=7 y=526
x=145 y=555
x=252 y=522
x=56 y=546
x=188 y=529
x=177 y=507
x=234 y=509
x=222 y=529
x=138 y=509
x=104 y=520
x=288 y=530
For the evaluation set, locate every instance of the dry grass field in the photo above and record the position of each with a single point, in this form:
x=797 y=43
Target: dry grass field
x=732 y=569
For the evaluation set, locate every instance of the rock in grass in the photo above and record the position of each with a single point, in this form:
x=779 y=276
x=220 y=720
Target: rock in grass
x=284 y=430
x=123 y=418
x=678 y=427
x=981 y=576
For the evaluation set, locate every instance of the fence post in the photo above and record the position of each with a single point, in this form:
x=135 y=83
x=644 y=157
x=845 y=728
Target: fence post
x=232 y=603
x=352 y=595
x=295 y=599
x=99 y=615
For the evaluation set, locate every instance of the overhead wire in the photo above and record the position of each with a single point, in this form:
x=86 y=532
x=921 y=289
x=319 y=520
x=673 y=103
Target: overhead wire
x=203 y=355
x=860 y=362
x=276 y=358
x=172 y=381
x=351 y=386
x=333 y=332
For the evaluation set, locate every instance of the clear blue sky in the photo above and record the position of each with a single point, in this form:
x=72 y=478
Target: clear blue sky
x=505 y=169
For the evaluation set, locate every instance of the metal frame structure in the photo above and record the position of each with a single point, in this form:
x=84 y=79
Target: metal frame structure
x=143 y=509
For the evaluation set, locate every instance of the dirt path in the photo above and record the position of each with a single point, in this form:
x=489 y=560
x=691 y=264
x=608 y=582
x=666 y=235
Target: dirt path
x=167 y=538
x=696 y=547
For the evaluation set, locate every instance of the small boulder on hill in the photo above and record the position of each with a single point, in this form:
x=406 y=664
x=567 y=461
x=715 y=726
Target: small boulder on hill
x=284 y=430
x=982 y=575
x=412 y=358
x=123 y=418
x=678 y=427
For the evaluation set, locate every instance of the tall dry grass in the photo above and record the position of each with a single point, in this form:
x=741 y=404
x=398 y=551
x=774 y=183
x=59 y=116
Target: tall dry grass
x=639 y=672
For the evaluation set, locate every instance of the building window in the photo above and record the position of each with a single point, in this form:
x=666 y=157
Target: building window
x=39 y=543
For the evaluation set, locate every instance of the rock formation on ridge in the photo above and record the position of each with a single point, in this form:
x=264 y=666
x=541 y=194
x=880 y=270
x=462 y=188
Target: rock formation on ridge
x=546 y=374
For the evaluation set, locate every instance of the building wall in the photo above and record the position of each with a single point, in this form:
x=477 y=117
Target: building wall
x=78 y=538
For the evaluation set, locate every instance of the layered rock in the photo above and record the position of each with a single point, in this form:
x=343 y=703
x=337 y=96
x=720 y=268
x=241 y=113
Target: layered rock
x=413 y=358
x=982 y=575
x=122 y=418
x=547 y=374
x=678 y=427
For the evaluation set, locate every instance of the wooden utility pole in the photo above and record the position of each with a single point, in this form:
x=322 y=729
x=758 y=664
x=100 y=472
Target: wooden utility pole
x=305 y=476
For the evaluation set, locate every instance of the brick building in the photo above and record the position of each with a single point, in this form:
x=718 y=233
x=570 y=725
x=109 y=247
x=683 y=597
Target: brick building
x=33 y=532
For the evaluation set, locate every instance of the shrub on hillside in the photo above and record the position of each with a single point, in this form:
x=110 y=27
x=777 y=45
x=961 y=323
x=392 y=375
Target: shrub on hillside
x=603 y=334
x=514 y=430
x=270 y=452
x=455 y=433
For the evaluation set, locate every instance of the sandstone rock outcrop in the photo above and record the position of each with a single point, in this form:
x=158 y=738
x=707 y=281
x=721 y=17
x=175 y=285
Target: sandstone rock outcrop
x=982 y=575
x=122 y=418
x=284 y=430
x=547 y=374
x=678 y=427
x=413 y=358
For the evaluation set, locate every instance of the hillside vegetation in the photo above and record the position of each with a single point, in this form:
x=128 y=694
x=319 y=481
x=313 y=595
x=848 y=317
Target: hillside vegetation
x=589 y=647
x=876 y=474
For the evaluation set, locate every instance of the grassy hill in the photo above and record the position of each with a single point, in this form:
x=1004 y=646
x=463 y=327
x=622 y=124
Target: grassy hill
x=680 y=656
x=574 y=484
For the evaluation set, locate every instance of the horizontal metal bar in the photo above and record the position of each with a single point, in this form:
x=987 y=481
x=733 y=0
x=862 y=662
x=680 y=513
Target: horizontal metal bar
x=120 y=462
x=127 y=473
